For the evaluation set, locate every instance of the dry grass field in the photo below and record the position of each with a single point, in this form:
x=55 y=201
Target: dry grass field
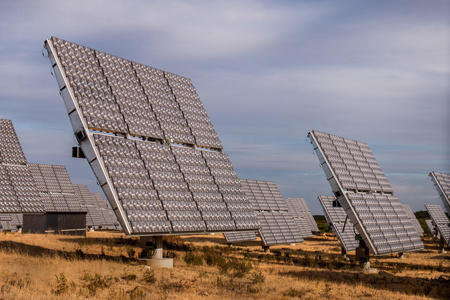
x=105 y=265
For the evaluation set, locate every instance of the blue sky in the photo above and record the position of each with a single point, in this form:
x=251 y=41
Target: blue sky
x=267 y=72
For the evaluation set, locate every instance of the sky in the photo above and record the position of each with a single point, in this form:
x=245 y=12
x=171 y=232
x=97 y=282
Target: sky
x=267 y=72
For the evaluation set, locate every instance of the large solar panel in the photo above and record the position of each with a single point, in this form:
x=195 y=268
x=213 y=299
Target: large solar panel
x=413 y=218
x=18 y=193
x=364 y=192
x=442 y=183
x=277 y=223
x=55 y=188
x=150 y=144
x=339 y=222
x=301 y=213
x=441 y=221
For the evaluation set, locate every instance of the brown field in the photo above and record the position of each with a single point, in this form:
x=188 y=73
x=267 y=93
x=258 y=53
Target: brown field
x=104 y=265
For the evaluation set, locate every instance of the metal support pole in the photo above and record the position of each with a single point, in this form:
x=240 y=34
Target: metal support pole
x=441 y=244
x=158 y=254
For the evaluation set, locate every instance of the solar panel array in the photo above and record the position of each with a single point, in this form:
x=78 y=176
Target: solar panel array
x=365 y=194
x=442 y=184
x=413 y=218
x=99 y=213
x=339 y=222
x=150 y=144
x=440 y=220
x=277 y=224
x=55 y=188
x=18 y=193
x=301 y=213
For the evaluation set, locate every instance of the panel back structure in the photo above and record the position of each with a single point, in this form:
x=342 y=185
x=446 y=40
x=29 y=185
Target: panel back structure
x=18 y=193
x=300 y=210
x=150 y=144
x=364 y=192
x=413 y=218
x=441 y=221
x=431 y=227
x=442 y=184
x=277 y=223
x=339 y=222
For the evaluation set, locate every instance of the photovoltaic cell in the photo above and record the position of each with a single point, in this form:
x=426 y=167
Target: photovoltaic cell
x=413 y=218
x=150 y=144
x=277 y=223
x=339 y=222
x=302 y=215
x=365 y=194
x=441 y=221
x=442 y=183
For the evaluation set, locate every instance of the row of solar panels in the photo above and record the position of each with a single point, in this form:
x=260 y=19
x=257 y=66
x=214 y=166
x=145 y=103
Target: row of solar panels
x=58 y=194
x=39 y=188
x=283 y=221
x=145 y=132
x=107 y=94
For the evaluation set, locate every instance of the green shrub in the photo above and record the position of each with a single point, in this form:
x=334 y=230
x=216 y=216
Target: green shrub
x=149 y=277
x=193 y=259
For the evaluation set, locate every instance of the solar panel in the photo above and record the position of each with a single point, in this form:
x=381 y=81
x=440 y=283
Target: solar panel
x=150 y=144
x=362 y=189
x=10 y=149
x=55 y=188
x=339 y=222
x=413 y=218
x=239 y=237
x=83 y=195
x=442 y=183
x=302 y=215
x=11 y=222
x=277 y=223
x=18 y=192
x=431 y=227
x=441 y=221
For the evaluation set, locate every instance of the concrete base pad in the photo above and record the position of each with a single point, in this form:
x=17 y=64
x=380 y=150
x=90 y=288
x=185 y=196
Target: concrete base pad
x=370 y=270
x=158 y=262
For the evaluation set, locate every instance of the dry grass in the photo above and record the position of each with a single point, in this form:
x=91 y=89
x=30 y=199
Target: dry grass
x=102 y=266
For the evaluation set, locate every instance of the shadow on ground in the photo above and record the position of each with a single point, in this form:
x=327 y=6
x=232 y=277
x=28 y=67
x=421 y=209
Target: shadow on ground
x=436 y=288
